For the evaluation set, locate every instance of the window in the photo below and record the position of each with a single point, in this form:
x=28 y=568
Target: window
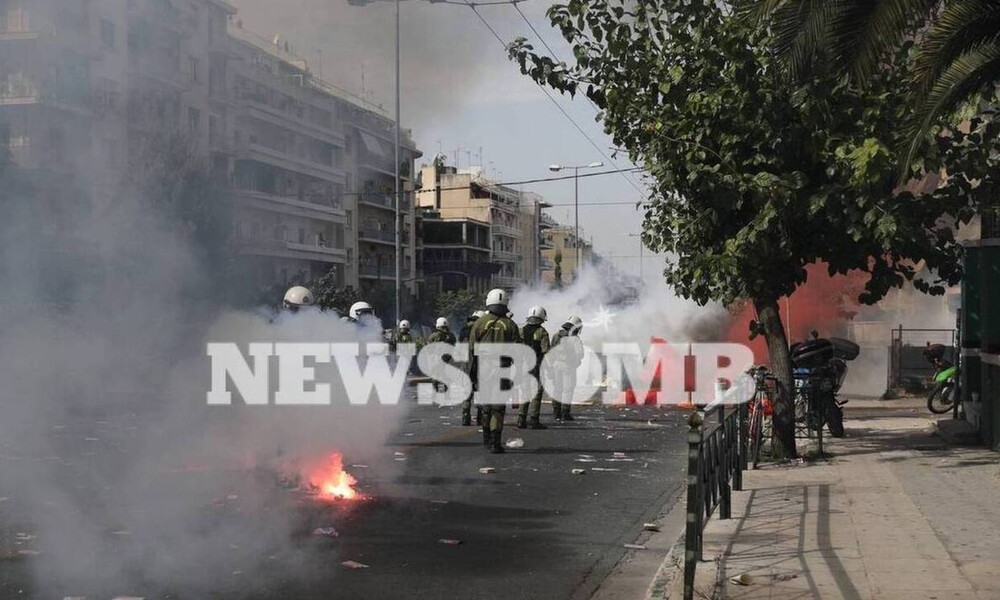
x=107 y=33
x=193 y=69
x=302 y=235
x=194 y=119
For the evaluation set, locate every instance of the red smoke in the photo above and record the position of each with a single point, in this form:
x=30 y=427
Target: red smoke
x=822 y=303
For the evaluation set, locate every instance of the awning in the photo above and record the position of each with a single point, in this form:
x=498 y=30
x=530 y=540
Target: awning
x=372 y=144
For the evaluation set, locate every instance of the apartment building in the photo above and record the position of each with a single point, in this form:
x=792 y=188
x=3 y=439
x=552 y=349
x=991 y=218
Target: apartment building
x=456 y=254
x=62 y=78
x=514 y=218
x=93 y=88
x=559 y=247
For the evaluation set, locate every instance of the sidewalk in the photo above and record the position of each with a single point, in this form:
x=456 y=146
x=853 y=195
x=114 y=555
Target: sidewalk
x=896 y=513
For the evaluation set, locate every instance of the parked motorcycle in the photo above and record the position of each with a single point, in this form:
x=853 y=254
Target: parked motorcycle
x=942 y=397
x=819 y=367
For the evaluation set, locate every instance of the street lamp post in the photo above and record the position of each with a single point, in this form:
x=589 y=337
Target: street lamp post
x=398 y=184
x=399 y=196
x=576 y=203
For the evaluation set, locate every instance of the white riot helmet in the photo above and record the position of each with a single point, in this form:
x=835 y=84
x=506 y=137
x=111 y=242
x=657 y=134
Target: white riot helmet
x=359 y=309
x=297 y=297
x=404 y=325
x=537 y=315
x=441 y=323
x=573 y=324
x=497 y=296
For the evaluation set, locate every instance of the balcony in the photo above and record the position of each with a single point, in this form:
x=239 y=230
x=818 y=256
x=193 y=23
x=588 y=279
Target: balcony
x=17 y=89
x=258 y=108
x=506 y=231
x=504 y=256
x=506 y=282
x=386 y=271
x=16 y=25
x=381 y=200
x=291 y=206
x=279 y=158
x=283 y=249
x=376 y=235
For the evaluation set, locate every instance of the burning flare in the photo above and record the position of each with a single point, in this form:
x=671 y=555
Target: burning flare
x=332 y=482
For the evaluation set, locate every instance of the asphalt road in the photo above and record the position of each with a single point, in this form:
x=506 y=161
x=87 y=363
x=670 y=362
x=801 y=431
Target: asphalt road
x=531 y=529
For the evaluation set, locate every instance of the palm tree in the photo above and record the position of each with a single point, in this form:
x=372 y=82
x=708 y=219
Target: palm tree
x=957 y=57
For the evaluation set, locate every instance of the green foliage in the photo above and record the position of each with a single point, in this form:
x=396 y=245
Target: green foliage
x=331 y=297
x=460 y=303
x=957 y=52
x=755 y=175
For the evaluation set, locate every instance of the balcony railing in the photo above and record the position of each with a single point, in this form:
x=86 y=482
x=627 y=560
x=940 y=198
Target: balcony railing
x=505 y=256
x=507 y=231
x=386 y=271
x=378 y=199
x=377 y=235
x=15 y=23
x=16 y=89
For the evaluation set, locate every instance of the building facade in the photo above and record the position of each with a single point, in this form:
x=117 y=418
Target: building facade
x=514 y=218
x=95 y=88
x=559 y=248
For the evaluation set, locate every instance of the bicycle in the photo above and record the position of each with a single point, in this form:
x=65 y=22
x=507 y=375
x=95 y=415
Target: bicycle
x=761 y=406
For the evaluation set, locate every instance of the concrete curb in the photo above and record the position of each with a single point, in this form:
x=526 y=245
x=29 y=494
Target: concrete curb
x=642 y=573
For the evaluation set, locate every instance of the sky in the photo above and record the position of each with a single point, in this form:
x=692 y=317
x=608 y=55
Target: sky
x=460 y=93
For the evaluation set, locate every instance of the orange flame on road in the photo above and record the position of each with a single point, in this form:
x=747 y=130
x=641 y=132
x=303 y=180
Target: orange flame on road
x=332 y=482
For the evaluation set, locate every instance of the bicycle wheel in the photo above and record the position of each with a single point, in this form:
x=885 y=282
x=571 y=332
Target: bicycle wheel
x=942 y=398
x=756 y=432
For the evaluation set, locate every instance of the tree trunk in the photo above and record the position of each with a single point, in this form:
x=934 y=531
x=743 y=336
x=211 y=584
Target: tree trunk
x=781 y=365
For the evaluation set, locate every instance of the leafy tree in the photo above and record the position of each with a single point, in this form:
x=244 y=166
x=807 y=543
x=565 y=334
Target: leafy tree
x=330 y=296
x=458 y=303
x=957 y=55
x=755 y=176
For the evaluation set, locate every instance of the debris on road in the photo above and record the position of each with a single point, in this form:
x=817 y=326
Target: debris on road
x=635 y=546
x=448 y=542
x=515 y=443
x=742 y=579
x=350 y=564
x=398 y=454
x=122 y=532
x=618 y=455
x=586 y=456
x=650 y=527
x=606 y=469
x=578 y=471
x=439 y=502
x=326 y=531
x=586 y=460
x=487 y=470
x=359 y=466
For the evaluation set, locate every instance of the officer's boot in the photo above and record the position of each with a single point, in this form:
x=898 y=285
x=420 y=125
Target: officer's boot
x=536 y=424
x=557 y=410
x=487 y=436
x=565 y=414
x=479 y=415
x=466 y=418
x=496 y=445
x=522 y=421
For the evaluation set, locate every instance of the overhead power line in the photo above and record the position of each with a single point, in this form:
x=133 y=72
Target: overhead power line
x=597 y=109
x=551 y=98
